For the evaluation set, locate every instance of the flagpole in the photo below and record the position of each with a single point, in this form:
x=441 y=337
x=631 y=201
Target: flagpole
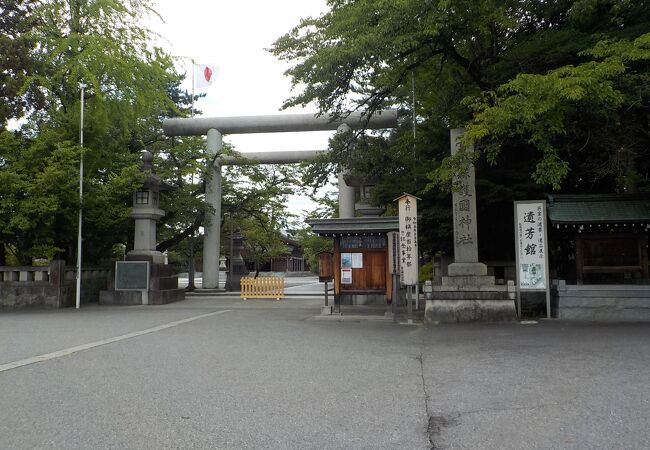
x=81 y=195
x=191 y=269
x=193 y=83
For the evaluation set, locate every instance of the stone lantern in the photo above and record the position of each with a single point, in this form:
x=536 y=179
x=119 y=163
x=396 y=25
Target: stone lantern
x=237 y=265
x=365 y=186
x=146 y=213
x=144 y=278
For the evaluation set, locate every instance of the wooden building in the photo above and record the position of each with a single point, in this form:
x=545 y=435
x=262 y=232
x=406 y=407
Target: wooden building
x=600 y=257
x=600 y=238
x=293 y=260
x=361 y=269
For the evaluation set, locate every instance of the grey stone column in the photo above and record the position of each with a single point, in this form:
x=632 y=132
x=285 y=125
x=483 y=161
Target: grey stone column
x=464 y=214
x=346 y=193
x=211 y=239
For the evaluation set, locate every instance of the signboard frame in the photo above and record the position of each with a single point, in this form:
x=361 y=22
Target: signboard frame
x=547 y=288
x=132 y=263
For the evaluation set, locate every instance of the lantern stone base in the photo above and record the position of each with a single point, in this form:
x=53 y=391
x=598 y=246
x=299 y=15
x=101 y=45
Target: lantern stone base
x=146 y=255
x=163 y=286
x=457 y=302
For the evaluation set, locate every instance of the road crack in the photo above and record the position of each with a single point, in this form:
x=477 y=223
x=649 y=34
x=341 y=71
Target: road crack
x=435 y=423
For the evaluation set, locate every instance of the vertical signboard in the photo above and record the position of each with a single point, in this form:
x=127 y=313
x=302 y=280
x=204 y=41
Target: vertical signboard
x=408 y=239
x=532 y=249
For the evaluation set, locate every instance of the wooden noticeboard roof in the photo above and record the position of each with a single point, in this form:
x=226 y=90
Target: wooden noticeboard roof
x=354 y=225
x=405 y=194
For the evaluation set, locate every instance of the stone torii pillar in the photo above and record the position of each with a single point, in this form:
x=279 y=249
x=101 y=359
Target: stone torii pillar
x=346 y=193
x=212 y=227
x=216 y=127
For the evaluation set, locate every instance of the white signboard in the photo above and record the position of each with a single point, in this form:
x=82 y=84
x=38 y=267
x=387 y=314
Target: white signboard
x=346 y=276
x=408 y=239
x=357 y=260
x=532 y=247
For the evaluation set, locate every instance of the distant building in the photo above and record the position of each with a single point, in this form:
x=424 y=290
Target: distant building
x=292 y=261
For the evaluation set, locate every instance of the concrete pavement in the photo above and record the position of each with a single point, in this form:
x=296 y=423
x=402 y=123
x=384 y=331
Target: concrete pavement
x=294 y=285
x=552 y=385
x=263 y=374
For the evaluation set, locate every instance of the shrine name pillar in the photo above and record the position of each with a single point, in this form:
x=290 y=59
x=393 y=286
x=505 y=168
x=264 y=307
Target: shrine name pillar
x=468 y=293
x=211 y=238
x=464 y=215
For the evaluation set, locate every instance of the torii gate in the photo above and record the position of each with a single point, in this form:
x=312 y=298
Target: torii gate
x=216 y=127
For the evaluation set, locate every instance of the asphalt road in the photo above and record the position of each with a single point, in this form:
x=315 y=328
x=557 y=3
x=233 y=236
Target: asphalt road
x=294 y=285
x=223 y=373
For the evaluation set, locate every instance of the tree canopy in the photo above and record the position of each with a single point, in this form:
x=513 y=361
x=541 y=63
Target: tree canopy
x=48 y=48
x=129 y=87
x=553 y=95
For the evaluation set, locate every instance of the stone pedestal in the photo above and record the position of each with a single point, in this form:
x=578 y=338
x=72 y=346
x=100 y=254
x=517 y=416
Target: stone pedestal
x=459 y=302
x=163 y=287
x=461 y=269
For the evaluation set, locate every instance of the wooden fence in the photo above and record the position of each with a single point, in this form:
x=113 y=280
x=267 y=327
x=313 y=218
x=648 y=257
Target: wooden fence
x=262 y=287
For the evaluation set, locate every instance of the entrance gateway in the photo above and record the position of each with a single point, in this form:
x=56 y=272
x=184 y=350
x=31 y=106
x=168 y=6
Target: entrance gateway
x=216 y=127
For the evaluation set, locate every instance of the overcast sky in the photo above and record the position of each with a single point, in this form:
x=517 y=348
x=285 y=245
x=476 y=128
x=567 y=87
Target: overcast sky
x=233 y=35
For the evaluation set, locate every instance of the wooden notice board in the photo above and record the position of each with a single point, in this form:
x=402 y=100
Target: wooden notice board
x=368 y=265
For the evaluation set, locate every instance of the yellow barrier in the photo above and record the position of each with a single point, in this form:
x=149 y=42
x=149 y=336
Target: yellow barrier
x=262 y=287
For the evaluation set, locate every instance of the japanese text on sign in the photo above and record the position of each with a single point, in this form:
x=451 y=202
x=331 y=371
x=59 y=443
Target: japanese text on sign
x=531 y=245
x=408 y=239
x=463 y=212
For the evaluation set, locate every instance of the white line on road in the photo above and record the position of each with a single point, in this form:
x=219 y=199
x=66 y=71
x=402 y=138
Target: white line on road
x=79 y=348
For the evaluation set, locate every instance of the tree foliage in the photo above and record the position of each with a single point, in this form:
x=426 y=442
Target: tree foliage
x=128 y=90
x=553 y=95
x=255 y=198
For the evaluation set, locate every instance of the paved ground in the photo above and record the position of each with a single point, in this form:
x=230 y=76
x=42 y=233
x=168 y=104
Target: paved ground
x=223 y=373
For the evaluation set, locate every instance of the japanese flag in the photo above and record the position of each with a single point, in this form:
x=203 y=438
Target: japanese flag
x=204 y=74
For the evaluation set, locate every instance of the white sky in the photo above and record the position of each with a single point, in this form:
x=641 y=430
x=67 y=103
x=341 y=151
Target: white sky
x=233 y=36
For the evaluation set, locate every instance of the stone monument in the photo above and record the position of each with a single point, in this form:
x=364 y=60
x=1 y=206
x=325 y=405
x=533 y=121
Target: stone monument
x=160 y=284
x=468 y=293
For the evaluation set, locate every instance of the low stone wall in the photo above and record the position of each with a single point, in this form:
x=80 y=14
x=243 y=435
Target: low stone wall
x=53 y=286
x=163 y=288
x=602 y=302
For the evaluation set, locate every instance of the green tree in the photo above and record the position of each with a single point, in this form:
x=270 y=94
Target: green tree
x=255 y=198
x=16 y=47
x=312 y=245
x=553 y=94
x=128 y=92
